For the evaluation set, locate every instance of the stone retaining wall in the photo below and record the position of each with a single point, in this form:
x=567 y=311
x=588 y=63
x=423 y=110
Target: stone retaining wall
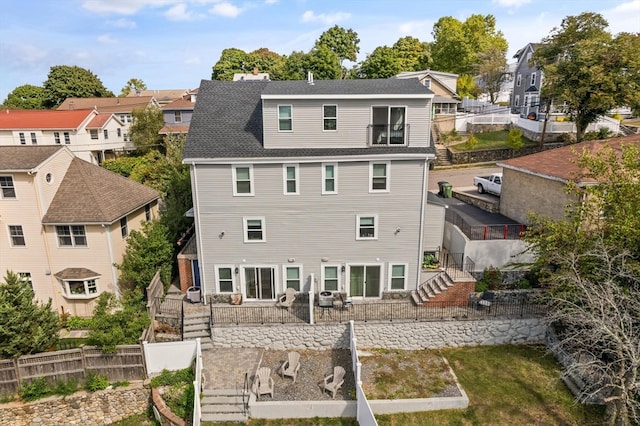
x=82 y=408
x=409 y=336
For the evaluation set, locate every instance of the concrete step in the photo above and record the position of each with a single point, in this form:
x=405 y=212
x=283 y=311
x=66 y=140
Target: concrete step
x=195 y=334
x=195 y=327
x=225 y=399
x=221 y=408
x=221 y=392
x=416 y=299
x=226 y=417
x=201 y=319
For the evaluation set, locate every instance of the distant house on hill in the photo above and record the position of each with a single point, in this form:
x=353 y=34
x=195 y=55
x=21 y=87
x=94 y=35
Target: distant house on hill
x=65 y=223
x=525 y=98
x=162 y=96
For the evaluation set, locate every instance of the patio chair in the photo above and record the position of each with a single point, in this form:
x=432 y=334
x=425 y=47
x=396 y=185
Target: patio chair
x=333 y=382
x=264 y=382
x=286 y=300
x=291 y=366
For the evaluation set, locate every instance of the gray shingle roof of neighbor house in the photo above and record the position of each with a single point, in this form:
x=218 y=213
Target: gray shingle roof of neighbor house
x=24 y=158
x=91 y=194
x=227 y=120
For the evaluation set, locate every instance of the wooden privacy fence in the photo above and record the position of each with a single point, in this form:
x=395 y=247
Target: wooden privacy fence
x=73 y=364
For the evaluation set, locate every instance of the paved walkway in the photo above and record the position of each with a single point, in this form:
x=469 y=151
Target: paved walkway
x=224 y=368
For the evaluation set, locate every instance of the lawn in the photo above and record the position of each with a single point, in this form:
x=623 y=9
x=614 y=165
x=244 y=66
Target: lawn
x=488 y=140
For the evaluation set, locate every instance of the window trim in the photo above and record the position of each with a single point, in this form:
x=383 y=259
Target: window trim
x=12 y=236
x=66 y=290
x=34 y=138
x=533 y=79
x=177 y=116
x=23 y=139
x=323 y=276
x=517 y=101
x=290 y=118
x=56 y=137
x=235 y=180
x=390 y=269
x=387 y=176
x=216 y=269
x=518 y=80
x=285 y=179
x=72 y=235
x=67 y=138
x=93 y=134
x=375 y=226
x=325 y=118
x=105 y=134
x=324 y=178
x=11 y=188
x=124 y=227
x=300 y=276
x=263 y=229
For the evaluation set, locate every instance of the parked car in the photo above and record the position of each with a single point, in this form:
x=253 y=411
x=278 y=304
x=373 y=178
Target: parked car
x=491 y=183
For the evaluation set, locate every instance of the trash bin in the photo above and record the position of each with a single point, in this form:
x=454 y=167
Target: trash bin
x=440 y=191
x=193 y=294
x=447 y=191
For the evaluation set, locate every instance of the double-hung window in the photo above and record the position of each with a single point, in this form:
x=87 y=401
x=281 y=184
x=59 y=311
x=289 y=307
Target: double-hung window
x=177 y=116
x=7 y=188
x=93 y=133
x=105 y=133
x=34 y=139
x=119 y=132
x=292 y=277
x=23 y=141
x=330 y=178
x=379 y=177
x=366 y=227
x=331 y=278
x=398 y=276
x=56 y=137
x=290 y=176
x=242 y=180
x=67 y=139
x=329 y=117
x=533 y=79
x=17 y=236
x=254 y=230
x=285 y=118
x=225 y=278
x=71 y=236
x=124 y=228
x=518 y=79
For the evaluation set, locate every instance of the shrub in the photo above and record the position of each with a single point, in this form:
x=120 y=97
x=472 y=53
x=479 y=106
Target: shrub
x=78 y=323
x=96 y=382
x=566 y=138
x=523 y=284
x=515 y=139
x=38 y=388
x=491 y=279
x=167 y=378
x=65 y=387
x=471 y=142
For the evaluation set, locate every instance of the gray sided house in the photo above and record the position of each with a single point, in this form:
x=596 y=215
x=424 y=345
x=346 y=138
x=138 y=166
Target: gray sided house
x=295 y=181
x=527 y=82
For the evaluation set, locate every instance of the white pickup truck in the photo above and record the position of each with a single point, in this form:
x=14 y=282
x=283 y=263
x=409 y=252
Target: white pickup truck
x=491 y=183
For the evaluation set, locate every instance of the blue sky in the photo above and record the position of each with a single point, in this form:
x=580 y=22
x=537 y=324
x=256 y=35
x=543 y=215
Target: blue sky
x=172 y=44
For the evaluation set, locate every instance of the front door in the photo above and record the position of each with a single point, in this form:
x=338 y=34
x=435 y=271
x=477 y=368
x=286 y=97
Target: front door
x=259 y=283
x=364 y=281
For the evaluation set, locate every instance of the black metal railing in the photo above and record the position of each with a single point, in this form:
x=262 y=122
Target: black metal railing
x=388 y=134
x=247 y=314
x=512 y=231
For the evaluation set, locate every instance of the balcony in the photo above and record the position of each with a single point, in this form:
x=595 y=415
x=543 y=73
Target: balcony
x=388 y=134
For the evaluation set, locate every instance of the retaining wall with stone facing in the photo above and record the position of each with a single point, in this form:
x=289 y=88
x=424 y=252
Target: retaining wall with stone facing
x=82 y=408
x=408 y=336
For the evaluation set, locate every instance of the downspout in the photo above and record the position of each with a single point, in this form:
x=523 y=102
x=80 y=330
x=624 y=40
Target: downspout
x=196 y=217
x=422 y=213
x=112 y=262
x=40 y=201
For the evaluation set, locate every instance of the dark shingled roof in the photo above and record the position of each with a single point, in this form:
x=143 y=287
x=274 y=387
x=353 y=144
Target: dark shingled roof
x=91 y=194
x=227 y=120
x=24 y=158
x=75 y=274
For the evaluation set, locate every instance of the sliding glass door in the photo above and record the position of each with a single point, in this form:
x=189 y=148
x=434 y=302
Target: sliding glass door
x=364 y=281
x=259 y=283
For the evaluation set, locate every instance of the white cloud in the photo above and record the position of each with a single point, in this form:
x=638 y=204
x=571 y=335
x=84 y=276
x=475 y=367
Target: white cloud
x=623 y=17
x=511 y=3
x=225 y=9
x=123 y=23
x=194 y=60
x=178 y=13
x=122 y=7
x=325 y=18
x=107 y=39
x=270 y=1
x=418 y=29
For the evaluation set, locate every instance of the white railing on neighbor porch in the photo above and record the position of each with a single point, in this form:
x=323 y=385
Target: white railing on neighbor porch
x=554 y=126
x=503 y=117
x=364 y=413
x=197 y=385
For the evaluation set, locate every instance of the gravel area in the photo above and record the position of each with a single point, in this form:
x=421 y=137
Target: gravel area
x=314 y=366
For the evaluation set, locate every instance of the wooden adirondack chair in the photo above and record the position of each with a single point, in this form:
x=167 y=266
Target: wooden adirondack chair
x=333 y=382
x=264 y=382
x=291 y=366
x=286 y=300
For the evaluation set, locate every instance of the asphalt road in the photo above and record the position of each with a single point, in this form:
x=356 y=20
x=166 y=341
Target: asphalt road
x=459 y=177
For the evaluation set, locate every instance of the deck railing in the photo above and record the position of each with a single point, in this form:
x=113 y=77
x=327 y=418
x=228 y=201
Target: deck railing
x=512 y=231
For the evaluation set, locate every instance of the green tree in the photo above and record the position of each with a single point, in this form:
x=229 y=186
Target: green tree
x=492 y=69
x=117 y=322
x=26 y=327
x=381 y=63
x=456 y=45
x=177 y=193
x=344 y=43
x=412 y=54
x=144 y=129
x=515 y=139
x=293 y=67
x=26 y=96
x=324 y=64
x=467 y=86
x=133 y=85
x=588 y=70
x=263 y=60
x=147 y=251
x=231 y=61
x=65 y=81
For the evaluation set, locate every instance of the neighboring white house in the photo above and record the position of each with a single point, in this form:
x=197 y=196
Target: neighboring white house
x=64 y=222
x=92 y=136
x=299 y=179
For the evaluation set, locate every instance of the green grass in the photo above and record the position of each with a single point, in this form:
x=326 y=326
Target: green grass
x=489 y=140
x=506 y=385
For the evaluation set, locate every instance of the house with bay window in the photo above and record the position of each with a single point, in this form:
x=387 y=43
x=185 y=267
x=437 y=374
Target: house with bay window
x=299 y=182
x=64 y=223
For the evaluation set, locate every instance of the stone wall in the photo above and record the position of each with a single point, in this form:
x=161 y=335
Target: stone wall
x=433 y=335
x=82 y=408
x=409 y=336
